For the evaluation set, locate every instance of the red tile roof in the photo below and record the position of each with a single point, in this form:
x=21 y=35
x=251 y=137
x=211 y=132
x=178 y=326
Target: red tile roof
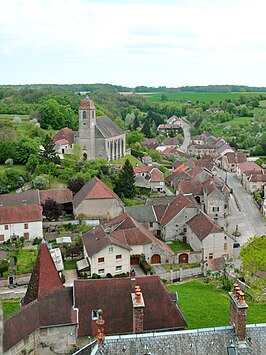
x=249 y=166
x=193 y=187
x=235 y=157
x=156 y=175
x=94 y=189
x=257 y=177
x=113 y=296
x=61 y=196
x=65 y=133
x=62 y=141
x=87 y=104
x=44 y=278
x=202 y=225
x=20 y=214
x=196 y=171
x=217 y=264
x=166 y=151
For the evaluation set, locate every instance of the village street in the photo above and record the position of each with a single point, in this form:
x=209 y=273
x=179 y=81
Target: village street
x=187 y=137
x=243 y=211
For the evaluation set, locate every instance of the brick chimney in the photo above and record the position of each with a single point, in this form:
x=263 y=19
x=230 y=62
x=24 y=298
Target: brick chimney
x=138 y=310
x=238 y=308
x=100 y=331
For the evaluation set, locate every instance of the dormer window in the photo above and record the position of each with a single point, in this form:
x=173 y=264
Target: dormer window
x=84 y=115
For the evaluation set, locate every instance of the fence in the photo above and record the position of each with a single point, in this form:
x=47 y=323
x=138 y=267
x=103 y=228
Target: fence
x=181 y=274
x=87 y=349
x=242 y=285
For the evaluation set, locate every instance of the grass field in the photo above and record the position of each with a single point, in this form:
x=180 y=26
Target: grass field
x=216 y=97
x=205 y=306
x=9 y=307
x=19 y=167
x=12 y=115
x=177 y=245
x=133 y=161
x=25 y=260
x=237 y=121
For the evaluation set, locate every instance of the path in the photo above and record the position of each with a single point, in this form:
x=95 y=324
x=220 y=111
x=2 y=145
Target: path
x=187 y=137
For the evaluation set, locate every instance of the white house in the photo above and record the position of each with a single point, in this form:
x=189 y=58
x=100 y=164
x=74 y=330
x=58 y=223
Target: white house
x=20 y=221
x=203 y=234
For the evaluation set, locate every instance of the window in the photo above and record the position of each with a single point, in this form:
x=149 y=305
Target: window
x=26 y=226
x=111 y=249
x=6 y=227
x=118 y=268
x=94 y=315
x=151 y=224
x=225 y=206
x=225 y=246
x=26 y=236
x=215 y=209
x=100 y=271
x=84 y=115
x=2 y=238
x=225 y=237
x=118 y=257
x=210 y=255
x=100 y=260
x=92 y=114
x=185 y=229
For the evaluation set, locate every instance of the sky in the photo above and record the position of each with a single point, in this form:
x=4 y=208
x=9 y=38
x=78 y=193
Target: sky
x=165 y=42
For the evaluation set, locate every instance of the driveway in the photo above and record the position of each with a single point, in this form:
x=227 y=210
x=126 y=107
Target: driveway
x=70 y=276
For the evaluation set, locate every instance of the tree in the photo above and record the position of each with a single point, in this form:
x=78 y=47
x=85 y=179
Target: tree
x=75 y=184
x=48 y=152
x=253 y=258
x=25 y=148
x=40 y=182
x=146 y=130
x=51 y=209
x=134 y=137
x=124 y=186
x=32 y=163
x=3 y=266
x=135 y=123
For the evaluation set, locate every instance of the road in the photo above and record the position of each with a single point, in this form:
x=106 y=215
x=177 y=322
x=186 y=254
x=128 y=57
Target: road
x=249 y=220
x=187 y=137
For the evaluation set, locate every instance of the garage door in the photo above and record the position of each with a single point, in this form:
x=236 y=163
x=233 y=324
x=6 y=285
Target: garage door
x=134 y=261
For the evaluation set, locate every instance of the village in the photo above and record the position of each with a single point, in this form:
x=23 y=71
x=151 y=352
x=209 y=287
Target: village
x=197 y=212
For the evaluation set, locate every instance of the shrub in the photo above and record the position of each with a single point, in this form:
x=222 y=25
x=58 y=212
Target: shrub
x=41 y=183
x=145 y=267
x=9 y=162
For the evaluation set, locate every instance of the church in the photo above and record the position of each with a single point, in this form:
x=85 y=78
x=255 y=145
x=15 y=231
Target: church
x=98 y=137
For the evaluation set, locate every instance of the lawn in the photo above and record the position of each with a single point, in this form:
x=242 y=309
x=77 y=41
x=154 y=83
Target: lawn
x=57 y=184
x=25 y=260
x=205 y=306
x=237 y=121
x=176 y=245
x=216 y=97
x=133 y=161
x=70 y=264
x=9 y=307
x=19 y=167
x=12 y=115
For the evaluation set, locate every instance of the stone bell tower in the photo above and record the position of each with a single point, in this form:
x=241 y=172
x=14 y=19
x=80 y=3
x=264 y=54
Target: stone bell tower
x=87 y=123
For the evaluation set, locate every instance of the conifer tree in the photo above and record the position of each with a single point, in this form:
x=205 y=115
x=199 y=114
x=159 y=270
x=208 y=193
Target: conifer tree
x=125 y=183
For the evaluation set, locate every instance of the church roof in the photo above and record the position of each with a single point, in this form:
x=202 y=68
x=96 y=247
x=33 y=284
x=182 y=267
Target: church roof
x=87 y=104
x=107 y=127
x=44 y=278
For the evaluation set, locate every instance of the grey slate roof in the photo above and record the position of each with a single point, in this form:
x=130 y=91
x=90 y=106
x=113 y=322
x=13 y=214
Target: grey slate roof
x=164 y=200
x=188 y=342
x=141 y=214
x=107 y=127
x=30 y=197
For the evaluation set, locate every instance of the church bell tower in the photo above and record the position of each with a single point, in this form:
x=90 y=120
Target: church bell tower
x=87 y=123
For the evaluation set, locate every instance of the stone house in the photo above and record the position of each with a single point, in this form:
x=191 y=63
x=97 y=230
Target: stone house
x=202 y=150
x=95 y=200
x=64 y=141
x=203 y=234
x=55 y=319
x=216 y=197
x=231 y=160
x=63 y=197
x=62 y=146
x=20 y=221
x=115 y=246
x=149 y=177
x=254 y=182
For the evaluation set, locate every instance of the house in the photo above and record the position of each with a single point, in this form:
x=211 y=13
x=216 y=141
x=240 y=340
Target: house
x=231 y=161
x=64 y=141
x=254 y=182
x=58 y=319
x=201 y=138
x=150 y=143
x=62 y=146
x=172 y=218
x=244 y=170
x=171 y=142
x=192 y=187
x=97 y=201
x=201 y=150
x=149 y=177
x=114 y=246
x=20 y=221
x=29 y=197
x=146 y=160
x=203 y=234
x=216 y=197
x=99 y=137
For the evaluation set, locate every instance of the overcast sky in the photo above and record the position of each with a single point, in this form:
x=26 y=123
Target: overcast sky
x=148 y=42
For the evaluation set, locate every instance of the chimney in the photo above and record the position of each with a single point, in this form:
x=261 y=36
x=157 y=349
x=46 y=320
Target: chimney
x=100 y=331
x=238 y=308
x=138 y=310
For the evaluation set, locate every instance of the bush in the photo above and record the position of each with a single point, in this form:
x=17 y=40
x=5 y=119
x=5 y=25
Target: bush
x=41 y=183
x=9 y=162
x=95 y=276
x=145 y=267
